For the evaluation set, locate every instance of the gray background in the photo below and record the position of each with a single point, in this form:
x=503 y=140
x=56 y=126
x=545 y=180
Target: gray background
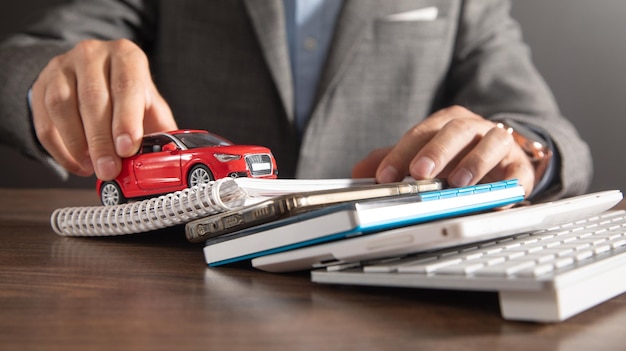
x=578 y=45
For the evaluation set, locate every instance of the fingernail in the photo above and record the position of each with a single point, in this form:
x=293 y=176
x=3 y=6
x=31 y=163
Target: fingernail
x=123 y=145
x=461 y=178
x=423 y=168
x=388 y=174
x=105 y=168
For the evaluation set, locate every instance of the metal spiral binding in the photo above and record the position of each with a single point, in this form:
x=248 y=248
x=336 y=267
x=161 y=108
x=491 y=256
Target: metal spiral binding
x=146 y=215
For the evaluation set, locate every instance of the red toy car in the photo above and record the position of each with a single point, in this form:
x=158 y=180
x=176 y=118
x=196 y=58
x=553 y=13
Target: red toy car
x=173 y=161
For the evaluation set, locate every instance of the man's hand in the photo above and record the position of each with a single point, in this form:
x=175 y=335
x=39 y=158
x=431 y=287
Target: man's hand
x=453 y=143
x=92 y=105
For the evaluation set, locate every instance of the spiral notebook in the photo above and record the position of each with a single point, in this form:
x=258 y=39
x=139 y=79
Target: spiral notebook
x=183 y=206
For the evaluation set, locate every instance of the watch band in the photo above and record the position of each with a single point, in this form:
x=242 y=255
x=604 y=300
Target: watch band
x=537 y=149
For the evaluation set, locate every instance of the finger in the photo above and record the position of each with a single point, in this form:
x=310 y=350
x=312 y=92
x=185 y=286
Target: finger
x=50 y=103
x=92 y=75
x=61 y=105
x=395 y=165
x=52 y=142
x=449 y=144
x=366 y=168
x=483 y=157
x=515 y=166
x=524 y=173
x=130 y=78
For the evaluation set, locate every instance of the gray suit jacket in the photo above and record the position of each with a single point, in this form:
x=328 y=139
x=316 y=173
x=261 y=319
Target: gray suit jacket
x=224 y=66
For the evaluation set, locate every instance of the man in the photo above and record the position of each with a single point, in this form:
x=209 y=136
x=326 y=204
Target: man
x=406 y=88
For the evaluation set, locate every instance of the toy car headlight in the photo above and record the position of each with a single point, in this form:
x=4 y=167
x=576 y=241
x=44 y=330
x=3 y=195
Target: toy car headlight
x=226 y=157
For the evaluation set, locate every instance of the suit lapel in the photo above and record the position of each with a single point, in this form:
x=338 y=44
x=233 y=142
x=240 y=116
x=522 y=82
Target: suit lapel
x=354 y=16
x=269 y=23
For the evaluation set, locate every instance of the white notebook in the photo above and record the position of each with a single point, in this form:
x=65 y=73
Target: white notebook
x=441 y=234
x=352 y=219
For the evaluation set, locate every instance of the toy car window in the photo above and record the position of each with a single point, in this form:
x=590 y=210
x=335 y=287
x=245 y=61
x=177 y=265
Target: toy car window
x=154 y=143
x=194 y=140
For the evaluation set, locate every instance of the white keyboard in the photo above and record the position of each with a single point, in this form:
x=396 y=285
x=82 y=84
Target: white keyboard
x=545 y=276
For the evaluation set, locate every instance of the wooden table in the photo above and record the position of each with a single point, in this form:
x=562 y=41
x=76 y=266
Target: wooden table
x=153 y=292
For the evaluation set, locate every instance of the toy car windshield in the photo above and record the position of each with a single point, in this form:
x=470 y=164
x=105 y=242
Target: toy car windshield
x=195 y=140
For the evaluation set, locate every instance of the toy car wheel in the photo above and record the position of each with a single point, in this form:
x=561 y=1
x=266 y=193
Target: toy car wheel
x=199 y=174
x=110 y=194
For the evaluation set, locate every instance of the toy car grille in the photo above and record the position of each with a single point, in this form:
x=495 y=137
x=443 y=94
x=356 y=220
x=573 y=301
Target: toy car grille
x=259 y=164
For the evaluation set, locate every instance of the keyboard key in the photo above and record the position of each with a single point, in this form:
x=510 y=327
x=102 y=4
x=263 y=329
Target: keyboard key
x=541 y=257
x=505 y=269
x=583 y=255
x=615 y=243
x=601 y=249
x=392 y=266
x=428 y=267
x=461 y=268
x=536 y=271
x=563 y=262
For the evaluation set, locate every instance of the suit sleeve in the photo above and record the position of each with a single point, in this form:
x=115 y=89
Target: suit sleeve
x=25 y=54
x=492 y=74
